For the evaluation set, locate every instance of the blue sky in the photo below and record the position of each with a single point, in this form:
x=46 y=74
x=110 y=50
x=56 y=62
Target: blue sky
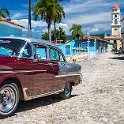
x=93 y=15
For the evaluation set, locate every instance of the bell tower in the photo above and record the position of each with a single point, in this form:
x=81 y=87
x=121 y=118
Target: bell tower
x=116 y=25
x=115 y=36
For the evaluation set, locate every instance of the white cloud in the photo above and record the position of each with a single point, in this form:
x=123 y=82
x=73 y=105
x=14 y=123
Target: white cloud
x=104 y=26
x=98 y=27
x=45 y=30
x=76 y=6
x=18 y=15
x=35 y=24
x=62 y=25
x=94 y=30
x=89 y=18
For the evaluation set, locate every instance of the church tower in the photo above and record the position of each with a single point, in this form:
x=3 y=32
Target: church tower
x=116 y=25
x=115 y=37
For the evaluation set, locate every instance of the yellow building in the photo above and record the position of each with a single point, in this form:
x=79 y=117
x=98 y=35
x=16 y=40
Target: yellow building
x=115 y=36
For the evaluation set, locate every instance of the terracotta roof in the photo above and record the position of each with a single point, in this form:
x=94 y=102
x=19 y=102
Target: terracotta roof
x=116 y=6
x=58 y=41
x=10 y=22
x=95 y=37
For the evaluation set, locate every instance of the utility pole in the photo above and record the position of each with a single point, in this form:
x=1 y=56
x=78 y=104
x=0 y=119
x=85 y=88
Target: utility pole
x=95 y=46
x=29 y=20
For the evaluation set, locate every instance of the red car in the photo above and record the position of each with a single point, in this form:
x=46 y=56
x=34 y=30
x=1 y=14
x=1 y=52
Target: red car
x=31 y=68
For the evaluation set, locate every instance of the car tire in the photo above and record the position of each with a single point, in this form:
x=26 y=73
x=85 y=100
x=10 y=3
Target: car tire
x=66 y=94
x=9 y=99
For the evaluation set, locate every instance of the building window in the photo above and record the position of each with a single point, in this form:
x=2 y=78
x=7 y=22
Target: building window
x=115 y=42
x=115 y=16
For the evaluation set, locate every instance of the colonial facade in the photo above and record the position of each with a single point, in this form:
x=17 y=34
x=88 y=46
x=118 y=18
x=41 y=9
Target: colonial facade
x=115 y=36
x=96 y=45
x=9 y=28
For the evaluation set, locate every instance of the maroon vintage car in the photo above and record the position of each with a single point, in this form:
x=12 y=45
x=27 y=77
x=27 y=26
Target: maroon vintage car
x=31 y=68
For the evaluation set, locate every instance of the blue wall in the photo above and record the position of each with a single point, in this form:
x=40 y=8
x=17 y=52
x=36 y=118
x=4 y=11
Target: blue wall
x=72 y=47
x=6 y=30
x=78 y=46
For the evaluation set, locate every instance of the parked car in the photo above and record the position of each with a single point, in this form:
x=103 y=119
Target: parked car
x=31 y=68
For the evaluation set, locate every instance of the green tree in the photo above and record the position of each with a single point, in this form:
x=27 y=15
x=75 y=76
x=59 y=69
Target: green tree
x=58 y=14
x=60 y=33
x=46 y=10
x=76 y=31
x=4 y=12
x=45 y=36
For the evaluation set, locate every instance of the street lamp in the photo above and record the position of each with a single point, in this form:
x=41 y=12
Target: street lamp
x=88 y=45
x=95 y=46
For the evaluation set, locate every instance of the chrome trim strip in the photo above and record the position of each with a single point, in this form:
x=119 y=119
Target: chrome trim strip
x=21 y=71
x=43 y=95
x=68 y=75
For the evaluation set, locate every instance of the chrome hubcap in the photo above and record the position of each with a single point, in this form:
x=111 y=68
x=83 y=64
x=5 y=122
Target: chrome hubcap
x=7 y=99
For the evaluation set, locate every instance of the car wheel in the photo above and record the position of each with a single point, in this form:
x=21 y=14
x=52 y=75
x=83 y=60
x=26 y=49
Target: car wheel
x=67 y=91
x=9 y=99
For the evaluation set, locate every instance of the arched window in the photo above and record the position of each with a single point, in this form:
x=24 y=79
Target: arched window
x=116 y=21
x=115 y=16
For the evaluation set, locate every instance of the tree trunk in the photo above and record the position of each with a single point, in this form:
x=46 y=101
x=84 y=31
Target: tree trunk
x=55 y=33
x=29 y=20
x=49 y=33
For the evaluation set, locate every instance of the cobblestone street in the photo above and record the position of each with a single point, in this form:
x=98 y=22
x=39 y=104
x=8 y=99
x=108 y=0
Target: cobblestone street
x=98 y=100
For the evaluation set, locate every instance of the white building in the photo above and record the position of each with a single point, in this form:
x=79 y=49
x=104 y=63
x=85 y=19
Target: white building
x=122 y=32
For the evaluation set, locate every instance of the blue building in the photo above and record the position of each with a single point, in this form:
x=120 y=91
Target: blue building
x=8 y=28
x=95 y=44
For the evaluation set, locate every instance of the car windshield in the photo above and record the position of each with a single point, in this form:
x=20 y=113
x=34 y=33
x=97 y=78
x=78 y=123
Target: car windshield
x=14 y=47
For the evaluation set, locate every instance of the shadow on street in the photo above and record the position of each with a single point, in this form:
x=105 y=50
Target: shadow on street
x=39 y=102
x=118 y=58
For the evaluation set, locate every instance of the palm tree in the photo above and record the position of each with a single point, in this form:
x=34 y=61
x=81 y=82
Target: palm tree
x=48 y=10
x=58 y=14
x=4 y=12
x=44 y=9
x=76 y=31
